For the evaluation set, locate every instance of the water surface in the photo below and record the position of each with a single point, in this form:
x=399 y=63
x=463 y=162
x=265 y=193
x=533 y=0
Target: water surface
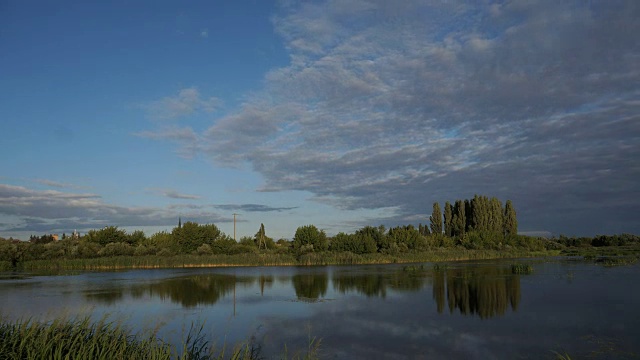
x=469 y=310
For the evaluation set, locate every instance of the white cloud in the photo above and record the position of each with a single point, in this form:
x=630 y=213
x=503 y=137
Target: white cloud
x=186 y=102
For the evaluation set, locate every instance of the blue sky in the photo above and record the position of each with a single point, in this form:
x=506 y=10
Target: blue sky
x=337 y=113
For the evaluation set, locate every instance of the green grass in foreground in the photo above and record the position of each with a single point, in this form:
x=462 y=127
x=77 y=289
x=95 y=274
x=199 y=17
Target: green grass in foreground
x=272 y=259
x=83 y=339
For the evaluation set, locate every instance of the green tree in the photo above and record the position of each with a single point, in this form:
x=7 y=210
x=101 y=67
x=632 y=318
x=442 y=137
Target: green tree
x=448 y=219
x=480 y=214
x=136 y=238
x=191 y=236
x=407 y=238
x=496 y=216
x=106 y=235
x=436 y=219
x=262 y=241
x=309 y=238
x=510 y=223
x=459 y=218
x=423 y=229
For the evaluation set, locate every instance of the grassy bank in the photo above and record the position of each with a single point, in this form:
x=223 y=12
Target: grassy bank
x=83 y=339
x=592 y=251
x=271 y=259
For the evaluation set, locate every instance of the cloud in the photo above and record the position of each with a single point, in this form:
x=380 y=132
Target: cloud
x=204 y=33
x=400 y=105
x=252 y=207
x=188 y=140
x=185 y=103
x=50 y=210
x=56 y=184
x=172 y=194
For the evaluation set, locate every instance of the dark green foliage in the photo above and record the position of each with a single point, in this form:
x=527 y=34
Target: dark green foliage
x=44 y=239
x=136 y=237
x=309 y=238
x=262 y=241
x=436 y=219
x=377 y=234
x=521 y=269
x=480 y=214
x=407 y=238
x=448 y=219
x=355 y=243
x=459 y=221
x=614 y=240
x=496 y=216
x=106 y=235
x=510 y=224
x=191 y=236
x=117 y=249
x=423 y=229
x=11 y=252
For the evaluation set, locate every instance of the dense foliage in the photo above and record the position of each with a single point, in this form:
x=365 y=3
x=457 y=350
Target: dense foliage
x=480 y=223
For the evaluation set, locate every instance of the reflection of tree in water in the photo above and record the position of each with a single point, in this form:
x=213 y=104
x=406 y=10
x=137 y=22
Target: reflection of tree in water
x=265 y=282
x=408 y=279
x=438 y=289
x=310 y=287
x=487 y=292
x=190 y=291
x=367 y=284
x=108 y=297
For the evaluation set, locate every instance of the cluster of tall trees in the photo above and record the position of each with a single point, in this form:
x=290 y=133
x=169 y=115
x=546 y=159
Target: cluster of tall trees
x=481 y=215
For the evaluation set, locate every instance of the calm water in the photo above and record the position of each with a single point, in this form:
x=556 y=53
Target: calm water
x=471 y=310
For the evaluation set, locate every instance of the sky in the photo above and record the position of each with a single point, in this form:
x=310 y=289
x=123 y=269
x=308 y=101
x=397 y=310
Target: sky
x=339 y=113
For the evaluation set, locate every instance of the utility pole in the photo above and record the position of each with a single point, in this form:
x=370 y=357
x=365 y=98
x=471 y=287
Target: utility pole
x=234 y=226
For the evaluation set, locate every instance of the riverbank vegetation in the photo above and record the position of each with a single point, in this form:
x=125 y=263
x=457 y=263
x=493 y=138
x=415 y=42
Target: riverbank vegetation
x=478 y=228
x=83 y=339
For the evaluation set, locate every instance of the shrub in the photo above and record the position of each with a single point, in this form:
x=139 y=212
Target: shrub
x=117 y=249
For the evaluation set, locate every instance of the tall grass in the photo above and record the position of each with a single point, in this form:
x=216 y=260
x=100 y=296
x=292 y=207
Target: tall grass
x=271 y=259
x=521 y=269
x=82 y=339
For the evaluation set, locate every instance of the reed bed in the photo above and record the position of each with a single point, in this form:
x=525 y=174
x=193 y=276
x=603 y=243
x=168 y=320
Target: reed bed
x=521 y=269
x=81 y=338
x=270 y=259
x=617 y=261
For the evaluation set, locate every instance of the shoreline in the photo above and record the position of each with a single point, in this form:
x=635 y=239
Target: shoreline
x=267 y=259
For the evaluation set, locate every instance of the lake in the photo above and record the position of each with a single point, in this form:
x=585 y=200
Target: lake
x=464 y=310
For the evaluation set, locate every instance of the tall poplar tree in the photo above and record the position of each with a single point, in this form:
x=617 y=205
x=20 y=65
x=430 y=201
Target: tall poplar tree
x=448 y=219
x=510 y=223
x=436 y=219
x=459 y=218
x=468 y=224
x=496 y=216
x=261 y=237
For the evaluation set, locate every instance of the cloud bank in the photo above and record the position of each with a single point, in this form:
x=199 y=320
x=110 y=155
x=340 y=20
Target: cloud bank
x=401 y=104
x=52 y=210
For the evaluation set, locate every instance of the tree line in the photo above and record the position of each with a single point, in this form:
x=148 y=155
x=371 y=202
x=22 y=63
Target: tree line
x=477 y=223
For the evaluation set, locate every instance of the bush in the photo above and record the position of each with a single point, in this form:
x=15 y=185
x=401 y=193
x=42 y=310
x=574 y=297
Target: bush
x=142 y=250
x=204 y=249
x=86 y=249
x=165 y=252
x=117 y=249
